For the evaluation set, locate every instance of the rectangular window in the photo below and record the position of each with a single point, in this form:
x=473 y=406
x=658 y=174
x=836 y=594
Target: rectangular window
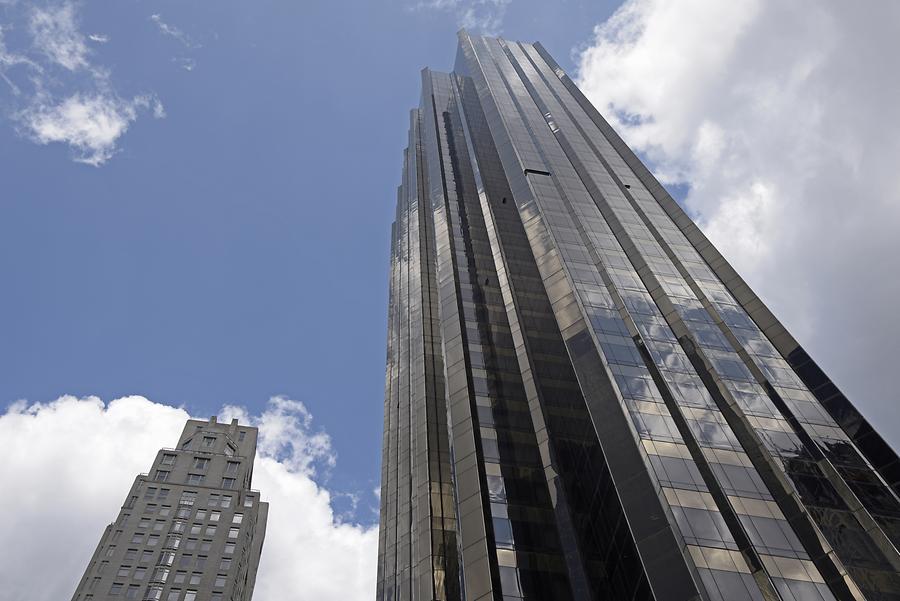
x=210 y=531
x=137 y=538
x=209 y=441
x=213 y=500
x=191 y=544
x=220 y=581
x=227 y=482
x=201 y=562
x=226 y=501
x=190 y=596
x=161 y=476
x=205 y=546
x=196 y=528
x=133 y=591
x=195 y=479
x=201 y=514
x=229 y=450
x=173 y=541
x=146 y=556
x=139 y=573
x=174 y=594
x=201 y=463
x=154 y=593
x=229 y=548
x=168 y=459
x=195 y=578
x=232 y=467
x=186 y=444
x=144 y=523
x=163 y=494
x=161 y=574
x=225 y=564
x=188 y=497
x=152 y=540
x=241 y=435
x=180 y=577
x=116 y=588
x=177 y=526
x=165 y=510
x=233 y=532
x=238 y=518
x=123 y=572
x=248 y=502
x=214 y=516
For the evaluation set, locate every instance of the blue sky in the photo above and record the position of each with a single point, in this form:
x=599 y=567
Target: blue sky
x=235 y=248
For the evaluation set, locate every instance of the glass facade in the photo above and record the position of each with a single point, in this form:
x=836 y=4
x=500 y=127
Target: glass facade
x=583 y=399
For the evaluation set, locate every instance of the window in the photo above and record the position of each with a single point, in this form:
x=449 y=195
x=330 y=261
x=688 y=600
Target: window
x=229 y=548
x=139 y=573
x=132 y=592
x=152 y=540
x=110 y=550
x=195 y=528
x=241 y=435
x=186 y=444
x=232 y=467
x=165 y=510
x=123 y=572
x=225 y=564
x=213 y=500
x=184 y=561
x=180 y=577
x=161 y=475
x=102 y=567
x=146 y=556
x=163 y=494
x=130 y=554
x=201 y=463
x=161 y=574
x=227 y=482
x=166 y=558
x=220 y=581
x=229 y=450
x=150 y=492
x=238 y=518
x=177 y=526
x=115 y=536
x=248 y=502
x=174 y=594
x=188 y=497
x=233 y=532
x=195 y=479
x=137 y=538
x=195 y=578
x=144 y=524
x=214 y=516
x=210 y=531
x=168 y=459
x=116 y=588
x=209 y=441
x=201 y=514
x=150 y=508
x=158 y=525
x=154 y=593
x=205 y=546
x=190 y=596
x=201 y=562
x=184 y=512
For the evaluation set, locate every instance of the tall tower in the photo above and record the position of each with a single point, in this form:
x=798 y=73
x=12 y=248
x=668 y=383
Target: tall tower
x=190 y=530
x=583 y=399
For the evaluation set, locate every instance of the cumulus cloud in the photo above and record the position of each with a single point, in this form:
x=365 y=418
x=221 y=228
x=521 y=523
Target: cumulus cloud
x=481 y=16
x=70 y=463
x=777 y=115
x=60 y=93
x=90 y=124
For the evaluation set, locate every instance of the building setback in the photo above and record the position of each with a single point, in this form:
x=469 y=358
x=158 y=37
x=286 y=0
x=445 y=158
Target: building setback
x=583 y=399
x=190 y=530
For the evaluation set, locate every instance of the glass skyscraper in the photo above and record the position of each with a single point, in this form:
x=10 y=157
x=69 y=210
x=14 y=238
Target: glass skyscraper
x=583 y=399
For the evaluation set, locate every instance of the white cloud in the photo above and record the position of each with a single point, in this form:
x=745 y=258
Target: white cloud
x=90 y=124
x=70 y=463
x=59 y=94
x=55 y=33
x=779 y=116
x=172 y=31
x=478 y=16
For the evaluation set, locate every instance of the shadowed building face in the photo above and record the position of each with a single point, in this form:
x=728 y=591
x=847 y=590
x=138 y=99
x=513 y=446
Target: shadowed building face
x=583 y=399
